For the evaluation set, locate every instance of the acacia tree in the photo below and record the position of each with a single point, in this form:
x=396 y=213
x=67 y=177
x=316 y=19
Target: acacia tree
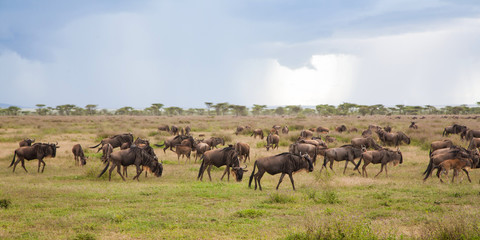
x=209 y=105
x=41 y=110
x=257 y=109
x=91 y=109
x=157 y=108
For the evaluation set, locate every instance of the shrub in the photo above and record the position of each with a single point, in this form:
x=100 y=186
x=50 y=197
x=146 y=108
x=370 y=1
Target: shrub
x=84 y=236
x=5 y=203
x=280 y=198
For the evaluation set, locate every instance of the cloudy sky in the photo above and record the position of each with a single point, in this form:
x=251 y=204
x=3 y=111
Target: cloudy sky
x=184 y=53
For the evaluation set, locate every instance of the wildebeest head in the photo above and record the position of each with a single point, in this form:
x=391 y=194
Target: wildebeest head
x=307 y=158
x=157 y=168
x=51 y=149
x=238 y=172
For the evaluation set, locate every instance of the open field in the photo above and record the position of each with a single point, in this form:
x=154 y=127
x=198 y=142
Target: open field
x=70 y=202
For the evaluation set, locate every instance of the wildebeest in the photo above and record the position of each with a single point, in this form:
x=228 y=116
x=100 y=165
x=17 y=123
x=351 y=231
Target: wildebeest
x=330 y=139
x=182 y=150
x=172 y=142
x=107 y=149
x=174 y=130
x=344 y=153
x=149 y=150
x=441 y=155
x=36 y=151
x=243 y=150
x=274 y=131
x=187 y=130
x=257 y=132
x=435 y=145
x=341 y=128
x=26 y=142
x=272 y=141
x=200 y=148
x=116 y=141
x=132 y=156
x=221 y=157
x=354 y=129
x=387 y=129
x=394 y=139
x=189 y=141
x=321 y=129
x=316 y=141
x=368 y=142
x=306 y=134
x=78 y=155
x=454 y=129
x=241 y=129
x=474 y=143
x=214 y=141
x=382 y=156
x=285 y=130
x=413 y=126
x=284 y=163
x=456 y=164
x=470 y=134
x=309 y=149
x=164 y=128
x=367 y=133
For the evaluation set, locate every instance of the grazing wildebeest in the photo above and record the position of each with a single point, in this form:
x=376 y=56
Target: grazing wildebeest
x=306 y=134
x=387 y=129
x=347 y=153
x=309 y=149
x=182 y=150
x=200 y=148
x=368 y=142
x=435 y=145
x=394 y=139
x=221 y=157
x=354 y=129
x=413 y=126
x=441 y=155
x=285 y=130
x=382 y=156
x=214 y=141
x=107 y=149
x=474 y=143
x=132 y=156
x=243 y=150
x=284 y=163
x=454 y=129
x=277 y=127
x=164 y=128
x=330 y=139
x=116 y=141
x=257 y=132
x=174 y=130
x=149 y=150
x=241 y=129
x=78 y=155
x=470 y=134
x=322 y=130
x=341 y=128
x=172 y=142
x=26 y=142
x=272 y=141
x=316 y=141
x=36 y=151
x=456 y=164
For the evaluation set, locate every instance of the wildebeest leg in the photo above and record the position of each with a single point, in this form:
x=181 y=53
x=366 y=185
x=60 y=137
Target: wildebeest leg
x=39 y=164
x=280 y=181
x=354 y=164
x=125 y=172
x=120 y=173
x=208 y=171
x=23 y=164
x=331 y=165
x=468 y=175
x=291 y=180
x=381 y=170
x=345 y=169
x=139 y=171
x=43 y=162
x=227 y=170
x=110 y=171
x=364 y=169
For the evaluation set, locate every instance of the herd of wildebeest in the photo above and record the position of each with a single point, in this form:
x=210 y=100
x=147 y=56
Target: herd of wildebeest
x=302 y=155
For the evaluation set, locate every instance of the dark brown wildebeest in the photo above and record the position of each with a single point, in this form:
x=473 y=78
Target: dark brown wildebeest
x=316 y=141
x=322 y=130
x=470 y=134
x=116 y=141
x=347 y=153
x=221 y=157
x=26 y=142
x=330 y=139
x=272 y=141
x=446 y=143
x=441 y=155
x=132 y=156
x=413 y=126
x=367 y=133
x=214 y=141
x=78 y=155
x=189 y=141
x=36 y=151
x=311 y=129
x=164 y=127
x=149 y=150
x=382 y=156
x=200 y=148
x=107 y=149
x=368 y=142
x=456 y=164
x=454 y=129
x=241 y=129
x=124 y=145
x=474 y=143
x=257 y=132
x=182 y=150
x=174 y=130
x=243 y=151
x=341 y=128
x=172 y=142
x=187 y=130
x=306 y=134
x=354 y=129
x=285 y=130
x=309 y=149
x=394 y=139
x=284 y=163
x=387 y=129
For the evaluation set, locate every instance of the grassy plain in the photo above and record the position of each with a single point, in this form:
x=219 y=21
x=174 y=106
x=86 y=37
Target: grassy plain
x=70 y=202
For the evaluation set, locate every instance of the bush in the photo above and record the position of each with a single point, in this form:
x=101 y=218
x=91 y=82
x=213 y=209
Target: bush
x=5 y=203
x=280 y=198
x=85 y=236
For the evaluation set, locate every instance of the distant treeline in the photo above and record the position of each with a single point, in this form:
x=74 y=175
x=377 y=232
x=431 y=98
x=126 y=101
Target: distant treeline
x=158 y=109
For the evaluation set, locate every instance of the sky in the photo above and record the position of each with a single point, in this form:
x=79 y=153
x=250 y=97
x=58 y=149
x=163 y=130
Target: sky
x=271 y=52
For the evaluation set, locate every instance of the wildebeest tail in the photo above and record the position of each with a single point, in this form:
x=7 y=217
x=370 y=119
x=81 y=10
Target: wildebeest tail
x=201 y=166
x=160 y=145
x=104 y=170
x=325 y=159
x=96 y=145
x=14 y=155
x=444 y=131
x=251 y=176
x=358 y=164
x=429 y=168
